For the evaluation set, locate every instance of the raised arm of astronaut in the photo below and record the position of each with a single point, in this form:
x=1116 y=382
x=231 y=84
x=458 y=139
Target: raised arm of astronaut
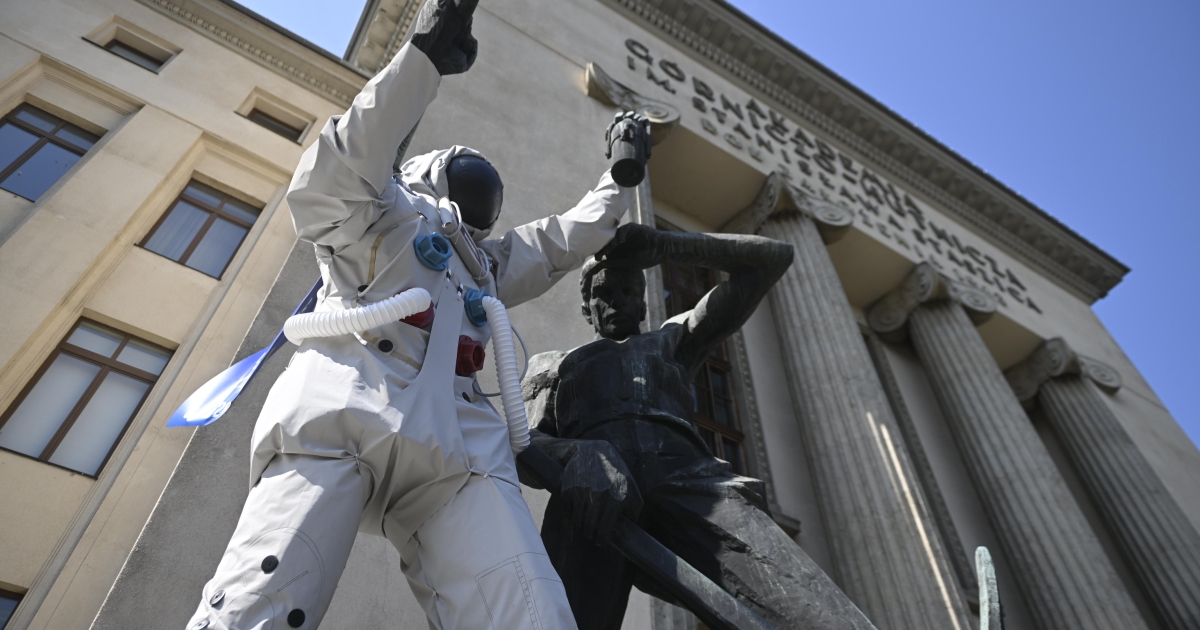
x=532 y=257
x=344 y=180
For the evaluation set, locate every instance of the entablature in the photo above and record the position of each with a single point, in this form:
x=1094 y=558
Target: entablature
x=763 y=63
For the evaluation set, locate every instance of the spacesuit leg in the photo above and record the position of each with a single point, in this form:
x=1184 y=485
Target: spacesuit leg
x=478 y=563
x=289 y=549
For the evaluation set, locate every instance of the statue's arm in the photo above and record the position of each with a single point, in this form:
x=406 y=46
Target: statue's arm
x=596 y=484
x=539 y=389
x=753 y=265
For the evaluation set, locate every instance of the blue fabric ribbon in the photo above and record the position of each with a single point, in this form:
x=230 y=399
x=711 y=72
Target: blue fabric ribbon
x=211 y=401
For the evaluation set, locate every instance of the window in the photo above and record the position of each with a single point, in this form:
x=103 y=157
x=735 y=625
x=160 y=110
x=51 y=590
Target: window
x=133 y=43
x=36 y=149
x=276 y=114
x=129 y=53
x=276 y=125
x=202 y=229
x=8 y=604
x=714 y=411
x=79 y=404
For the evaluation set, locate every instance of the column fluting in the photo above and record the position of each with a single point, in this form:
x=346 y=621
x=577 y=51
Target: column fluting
x=1059 y=563
x=1156 y=538
x=887 y=553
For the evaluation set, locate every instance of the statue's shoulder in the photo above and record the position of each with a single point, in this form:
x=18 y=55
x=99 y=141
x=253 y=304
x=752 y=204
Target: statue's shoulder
x=542 y=372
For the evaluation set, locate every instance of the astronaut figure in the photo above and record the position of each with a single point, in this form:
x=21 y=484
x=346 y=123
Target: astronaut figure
x=382 y=432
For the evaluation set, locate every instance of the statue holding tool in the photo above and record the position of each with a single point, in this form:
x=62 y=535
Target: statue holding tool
x=616 y=414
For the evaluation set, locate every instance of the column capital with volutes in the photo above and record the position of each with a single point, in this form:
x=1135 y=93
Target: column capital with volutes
x=1055 y=358
x=889 y=314
x=779 y=197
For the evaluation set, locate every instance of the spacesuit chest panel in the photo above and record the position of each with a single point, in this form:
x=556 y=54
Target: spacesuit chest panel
x=384 y=263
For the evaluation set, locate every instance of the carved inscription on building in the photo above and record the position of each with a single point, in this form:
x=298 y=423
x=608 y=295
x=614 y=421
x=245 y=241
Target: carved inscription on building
x=748 y=127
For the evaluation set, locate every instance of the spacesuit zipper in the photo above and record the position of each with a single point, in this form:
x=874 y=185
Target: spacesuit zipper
x=375 y=249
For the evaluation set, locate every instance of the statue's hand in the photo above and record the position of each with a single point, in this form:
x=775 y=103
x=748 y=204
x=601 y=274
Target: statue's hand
x=442 y=30
x=638 y=132
x=635 y=246
x=598 y=487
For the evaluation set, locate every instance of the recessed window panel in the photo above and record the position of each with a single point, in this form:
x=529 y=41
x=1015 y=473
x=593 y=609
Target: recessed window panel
x=710 y=438
x=206 y=195
x=8 y=604
x=36 y=420
x=36 y=149
x=177 y=232
x=240 y=210
x=276 y=125
x=98 y=339
x=144 y=356
x=216 y=247
x=101 y=422
x=14 y=142
x=129 y=53
x=37 y=118
x=203 y=229
x=731 y=452
x=40 y=171
x=77 y=407
x=77 y=136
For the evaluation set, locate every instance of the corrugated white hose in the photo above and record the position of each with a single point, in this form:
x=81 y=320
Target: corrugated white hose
x=506 y=373
x=297 y=328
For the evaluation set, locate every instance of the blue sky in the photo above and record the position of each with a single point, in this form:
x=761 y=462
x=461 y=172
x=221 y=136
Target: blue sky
x=1088 y=109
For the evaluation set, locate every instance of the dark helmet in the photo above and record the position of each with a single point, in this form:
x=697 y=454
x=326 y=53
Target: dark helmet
x=477 y=190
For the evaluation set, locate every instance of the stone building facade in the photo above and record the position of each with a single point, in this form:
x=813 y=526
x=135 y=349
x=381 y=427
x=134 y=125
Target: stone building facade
x=928 y=377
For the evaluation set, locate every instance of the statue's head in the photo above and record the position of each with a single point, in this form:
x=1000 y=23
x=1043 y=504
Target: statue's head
x=614 y=301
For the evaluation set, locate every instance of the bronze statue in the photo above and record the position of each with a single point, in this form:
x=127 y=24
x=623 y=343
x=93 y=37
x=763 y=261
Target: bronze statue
x=616 y=414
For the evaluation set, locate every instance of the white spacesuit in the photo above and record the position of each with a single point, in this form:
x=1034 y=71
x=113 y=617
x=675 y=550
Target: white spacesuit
x=375 y=432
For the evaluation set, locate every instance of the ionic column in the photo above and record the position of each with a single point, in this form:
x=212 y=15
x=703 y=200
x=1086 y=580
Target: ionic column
x=886 y=550
x=1153 y=533
x=1056 y=558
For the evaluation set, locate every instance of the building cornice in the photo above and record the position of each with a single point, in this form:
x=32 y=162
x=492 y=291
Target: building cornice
x=269 y=45
x=771 y=68
x=380 y=32
x=774 y=70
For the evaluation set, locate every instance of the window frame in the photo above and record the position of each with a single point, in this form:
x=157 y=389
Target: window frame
x=11 y=595
x=677 y=301
x=116 y=42
x=44 y=137
x=298 y=132
x=213 y=213
x=107 y=365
